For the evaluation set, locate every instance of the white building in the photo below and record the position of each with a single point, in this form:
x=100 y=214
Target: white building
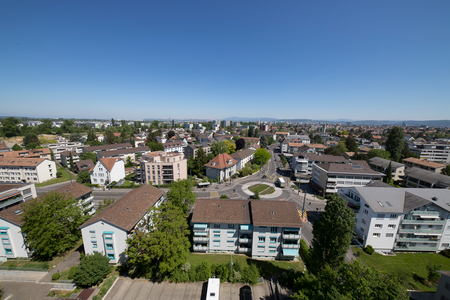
x=108 y=231
x=176 y=146
x=65 y=146
x=12 y=194
x=221 y=167
x=107 y=170
x=432 y=152
x=35 y=170
x=409 y=219
x=262 y=229
x=243 y=157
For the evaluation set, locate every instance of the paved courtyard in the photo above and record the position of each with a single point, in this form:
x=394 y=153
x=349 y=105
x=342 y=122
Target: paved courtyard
x=129 y=289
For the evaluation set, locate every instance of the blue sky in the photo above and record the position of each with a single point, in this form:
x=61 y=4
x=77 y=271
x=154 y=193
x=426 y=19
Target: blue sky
x=375 y=60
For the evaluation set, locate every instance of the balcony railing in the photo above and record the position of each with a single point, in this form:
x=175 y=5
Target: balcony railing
x=201 y=229
x=430 y=222
x=244 y=249
x=89 y=207
x=201 y=239
x=288 y=236
x=10 y=202
x=201 y=248
x=87 y=200
x=245 y=240
x=423 y=240
x=415 y=248
x=424 y=231
x=290 y=246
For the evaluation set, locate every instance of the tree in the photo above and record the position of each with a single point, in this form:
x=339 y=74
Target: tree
x=16 y=147
x=379 y=153
x=332 y=234
x=170 y=134
x=89 y=155
x=155 y=146
x=91 y=136
x=250 y=131
x=219 y=148
x=261 y=156
x=351 y=144
x=231 y=146
x=67 y=126
x=10 y=127
x=113 y=122
x=104 y=204
x=51 y=224
x=30 y=138
x=161 y=245
x=240 y=144
x=263 y=142
x=406 y=153
x=71 y=165
x=76 y=137
x=95 y=143
x=395 y=143
x=132 y=141
x=181 y=194
x=84 y=177
x=93 y=268
x=388 y=177
x=110 y=138
x=128 y=162
x=317 y=139
x=446 y=170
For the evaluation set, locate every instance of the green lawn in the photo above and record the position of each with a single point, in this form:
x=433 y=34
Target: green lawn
x=409 y=267
x=25 y=264
x=268 y=191
x=266 y=267
x=258 y=188
x=65 y=177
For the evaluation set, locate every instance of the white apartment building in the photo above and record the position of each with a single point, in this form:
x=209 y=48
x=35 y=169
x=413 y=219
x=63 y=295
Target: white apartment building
x=262 y=229
x=108 y=231
x=173 y=147
x=329 y=178
x=391 y=219
x=439 y=153
x=35 y=170
x=107 y=170
x=302 y=162
x=65 y=146
x=243 y=157
x=15 y=193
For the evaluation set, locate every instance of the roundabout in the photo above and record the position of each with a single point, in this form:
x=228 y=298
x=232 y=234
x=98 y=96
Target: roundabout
x=276 y=194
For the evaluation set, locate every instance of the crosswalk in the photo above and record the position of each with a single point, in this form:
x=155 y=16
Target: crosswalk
x=214 y=194
x=305 y=215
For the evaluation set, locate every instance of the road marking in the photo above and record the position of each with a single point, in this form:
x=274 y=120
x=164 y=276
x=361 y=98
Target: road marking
x=214 y=194
x=305 y=215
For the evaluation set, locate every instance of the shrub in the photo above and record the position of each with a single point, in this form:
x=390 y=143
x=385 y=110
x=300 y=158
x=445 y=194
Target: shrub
x=224 y=196
x=369 y=250
x=92 y=270
x=59 y=174
x=72 y=272
x=56 y=276
x=445 y=252
x=250 y=274
x=105 y=288
x=305 y=253
x=431 y=270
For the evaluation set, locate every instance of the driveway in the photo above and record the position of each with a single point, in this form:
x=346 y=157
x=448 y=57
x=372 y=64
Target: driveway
x=137 y=289
x=25 y=290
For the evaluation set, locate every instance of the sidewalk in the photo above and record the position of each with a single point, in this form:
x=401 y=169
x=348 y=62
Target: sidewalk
x=72 y=260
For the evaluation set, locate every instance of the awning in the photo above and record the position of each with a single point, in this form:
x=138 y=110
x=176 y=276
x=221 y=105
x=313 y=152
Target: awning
x=200 y=225
x=290 y=252
x=246 y=227
x=292 y=229
x=429 y=216
x=10 y=194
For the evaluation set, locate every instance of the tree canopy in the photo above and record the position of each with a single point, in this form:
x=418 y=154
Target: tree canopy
x=51 y=224
x=93 y=268
x=30 y=138
x=263 y=142
x=395 y=143
x=84 y=177
x=446 y=170
x=219 y=148
x=159 y=247
x=16 y=147
x=351 y=144
x=155 y=146
x=240 y=144
x=89 y=155
x=261 y=156
x=181 y=194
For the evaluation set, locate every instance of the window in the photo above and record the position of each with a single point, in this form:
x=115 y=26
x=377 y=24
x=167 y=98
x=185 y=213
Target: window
x=110 y=255
x=3 y=232
x=216 y=231
x=378 y=226
x=380 y=216
x=8 y=251
x=216 y=241
x=5 y=241
x=109 y=246
x=108 y=236
x=262 y=239
x=261 y=248
x=362 y=229
x=216 y=225
x=389 y=234
x=230 y=225
x=366 y=211
x=376 y=234
x=274 y=229
x=364 y=221
x=273 y=239
x=94 y=245
x=230 y=231
x=217 y=235
x=391 y=226
x=271 y=251
x=393 y=216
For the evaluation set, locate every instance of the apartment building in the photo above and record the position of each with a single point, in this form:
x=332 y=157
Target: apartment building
x=420 y=178
x=328 y=178
x=381 y=165
x=191 y=150
x=423 y=164
x=262 y=229
x=302 y=162
x=13 y=243
x=108 y=231
x=12 y=194
x=35 y=170
x=439 y=153
x=243 y=157
x=77 y=147
x=161 y=167
x=176 y=146
x=408 y=219
x=35 y=153
x=125 y=153
x=221 y=167
x=65 y=158
x=107 y=170
x=111 y=147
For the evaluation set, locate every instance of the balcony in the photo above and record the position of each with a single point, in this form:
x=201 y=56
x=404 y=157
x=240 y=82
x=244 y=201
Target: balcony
x=244 y=249
x=427 y=222
x=88 y=207
x=421 y=231
x=419 y=240
x=416 y=248
x=290 y=246
x=87 y=200
x=245 y=240
x=11 y=201
x=426 y=214
x=167 y=168
x=201 y=248
x=201 y=239
x=290 y=236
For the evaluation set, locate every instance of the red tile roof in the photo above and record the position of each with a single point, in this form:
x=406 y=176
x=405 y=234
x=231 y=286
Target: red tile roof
x=221 y=161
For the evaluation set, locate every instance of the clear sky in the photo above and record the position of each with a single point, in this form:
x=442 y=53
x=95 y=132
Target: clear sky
x=215 y=59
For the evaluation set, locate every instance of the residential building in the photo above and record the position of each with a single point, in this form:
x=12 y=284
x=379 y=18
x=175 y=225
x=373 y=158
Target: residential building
x=267 y=134
x=262 y=229
x=423 y=164
x=108 y=231
x=35 y=170
x=191 y=150
x=221 y=167
x=107 y=170
x=110 y=147
x=125 y=153
x=65 y=158
x=243 y=157
x=84 y=165
x=408 y=219
x=439 y=153
x=64 y=146
x=173 y=146
x=13 y=243
x=443 y=288
x=302 y=162
x=381 y=165
x=313 y=148
x=12 y=194
x=161 y=167
x=328 y=178
x=35 y=153
x=420 y=178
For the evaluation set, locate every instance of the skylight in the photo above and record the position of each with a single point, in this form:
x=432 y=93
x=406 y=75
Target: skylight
x=381 y=204
x=356 y=167
x=389 y=203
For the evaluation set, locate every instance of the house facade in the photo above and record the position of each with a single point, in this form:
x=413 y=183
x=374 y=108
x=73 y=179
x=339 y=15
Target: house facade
x=191 y=150
x=34 y=170
x=107 y=170
x=65 y=158
x=221 y=167
x=162 y=167
x=125 y=153
x=381 y=165
x=423 y=164
x=262 y=229
x=12 y=194
x=420 y=178
x=243 y=157
x=439 y=153
x=107 y=231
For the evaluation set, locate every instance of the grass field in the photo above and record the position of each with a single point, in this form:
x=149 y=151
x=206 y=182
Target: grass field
x=268 y=191
x=266 y=267
x=258 y=188
x=26 y=264
x=409 y=267
x=65 y=177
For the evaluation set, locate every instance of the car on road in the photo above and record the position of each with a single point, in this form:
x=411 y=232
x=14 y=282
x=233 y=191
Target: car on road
x=264 y=177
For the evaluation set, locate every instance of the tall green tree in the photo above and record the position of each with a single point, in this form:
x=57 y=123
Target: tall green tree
x=181 y=194
x=93 y=268
x=170 y=134
x=91 y=136
x=30 y=138
x=263 y=142
x=159 y=246
x=10 y=127
x=154 y=146
x=113 y=123
x=240 y=144
x=388 y=177
x=332 y=234
x=110 y=138
x=395 y=143
x=51 y=224
x=261 y=156
x=250 y=131
x=16 y=148
x=219 y=148
x=317 y=139
x=351 y=144
x=71 y=165
x=84 y=177
x=379 y=153
x=446 y=170
x=132 y=141
x=89 y=155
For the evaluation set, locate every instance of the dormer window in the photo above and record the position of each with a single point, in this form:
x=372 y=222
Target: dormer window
x=230 y=161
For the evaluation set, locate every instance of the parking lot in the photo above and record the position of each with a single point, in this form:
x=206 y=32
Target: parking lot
x=129 y=289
